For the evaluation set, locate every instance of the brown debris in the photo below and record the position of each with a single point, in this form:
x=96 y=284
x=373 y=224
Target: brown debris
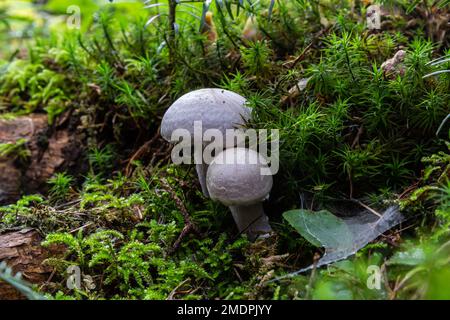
x=295 y=91
x=50 y=151
x=251 y=31
x=209 y=28
x=189 y=226
x=394 y=66
x=22 y=251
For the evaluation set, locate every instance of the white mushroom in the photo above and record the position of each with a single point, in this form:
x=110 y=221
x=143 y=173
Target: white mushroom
x=214 y=108
x=235 y=179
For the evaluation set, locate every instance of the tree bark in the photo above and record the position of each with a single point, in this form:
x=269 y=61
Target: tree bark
x=22 y=251
x=51 y=150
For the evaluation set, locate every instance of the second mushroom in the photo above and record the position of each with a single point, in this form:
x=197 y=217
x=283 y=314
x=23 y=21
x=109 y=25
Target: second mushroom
x=235 y=178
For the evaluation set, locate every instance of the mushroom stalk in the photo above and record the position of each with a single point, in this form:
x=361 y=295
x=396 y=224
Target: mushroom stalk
x=201 y=172
x=251 y=220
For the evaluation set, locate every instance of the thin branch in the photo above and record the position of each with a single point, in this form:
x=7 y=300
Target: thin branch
x=189 y=226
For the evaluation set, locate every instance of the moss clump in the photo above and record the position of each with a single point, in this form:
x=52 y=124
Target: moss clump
x=351 y=131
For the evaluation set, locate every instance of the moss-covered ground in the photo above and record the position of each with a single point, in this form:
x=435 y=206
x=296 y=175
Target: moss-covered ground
x=356 y=131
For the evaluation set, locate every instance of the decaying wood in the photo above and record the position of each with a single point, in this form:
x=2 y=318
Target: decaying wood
x=50 y=151
x=22 y=251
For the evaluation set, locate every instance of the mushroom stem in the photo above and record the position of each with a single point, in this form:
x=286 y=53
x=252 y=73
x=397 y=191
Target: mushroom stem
x=251 y=220
x=201 y=172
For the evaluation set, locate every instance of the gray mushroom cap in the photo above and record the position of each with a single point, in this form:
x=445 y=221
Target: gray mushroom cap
x=216 y=108
x=234 y=177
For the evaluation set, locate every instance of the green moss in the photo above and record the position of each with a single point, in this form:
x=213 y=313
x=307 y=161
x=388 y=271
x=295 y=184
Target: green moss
x=353 y=131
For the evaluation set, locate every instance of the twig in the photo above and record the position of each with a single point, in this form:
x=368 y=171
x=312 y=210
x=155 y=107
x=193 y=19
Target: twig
x=140 y=151
x=312 y=276
x=82 y=227
x=305 y=51
x=50 y=277
x=300 y=57
x=358 y=137
x=367 y=207
x=67 y=204
x=172 y=294
x=350 y=180
x=408 y=190
x=188 y=224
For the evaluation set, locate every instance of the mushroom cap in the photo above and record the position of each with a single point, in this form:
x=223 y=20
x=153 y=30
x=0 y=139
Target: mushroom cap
x=234 y=177
x=215 y=108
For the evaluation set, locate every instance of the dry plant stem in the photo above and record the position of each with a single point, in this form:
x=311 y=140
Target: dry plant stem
x=201 y=172
x=367 y=207
x=175 y=291
x=188 y=224
x=144 y=148
x=317 y=36
x=251 y=220
x=172 y=31
x=313 y=275
x=358 y=137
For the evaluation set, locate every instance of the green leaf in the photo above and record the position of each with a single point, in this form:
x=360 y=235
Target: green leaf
x=444 y=3
x=412 y=6
x=228 y=7
x=321 y=228
x=412 y=257
x=271 y=6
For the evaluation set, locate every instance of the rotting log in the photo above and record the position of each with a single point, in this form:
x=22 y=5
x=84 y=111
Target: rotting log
x=51 y=149
x=22 y=252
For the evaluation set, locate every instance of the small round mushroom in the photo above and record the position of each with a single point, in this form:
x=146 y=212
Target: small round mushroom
x=235 y=179
x=215 y=108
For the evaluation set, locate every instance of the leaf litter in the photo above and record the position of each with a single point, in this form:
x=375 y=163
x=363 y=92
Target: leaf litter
x=341 y=237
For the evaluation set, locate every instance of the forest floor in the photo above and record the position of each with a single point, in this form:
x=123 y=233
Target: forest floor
x=88 y=189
